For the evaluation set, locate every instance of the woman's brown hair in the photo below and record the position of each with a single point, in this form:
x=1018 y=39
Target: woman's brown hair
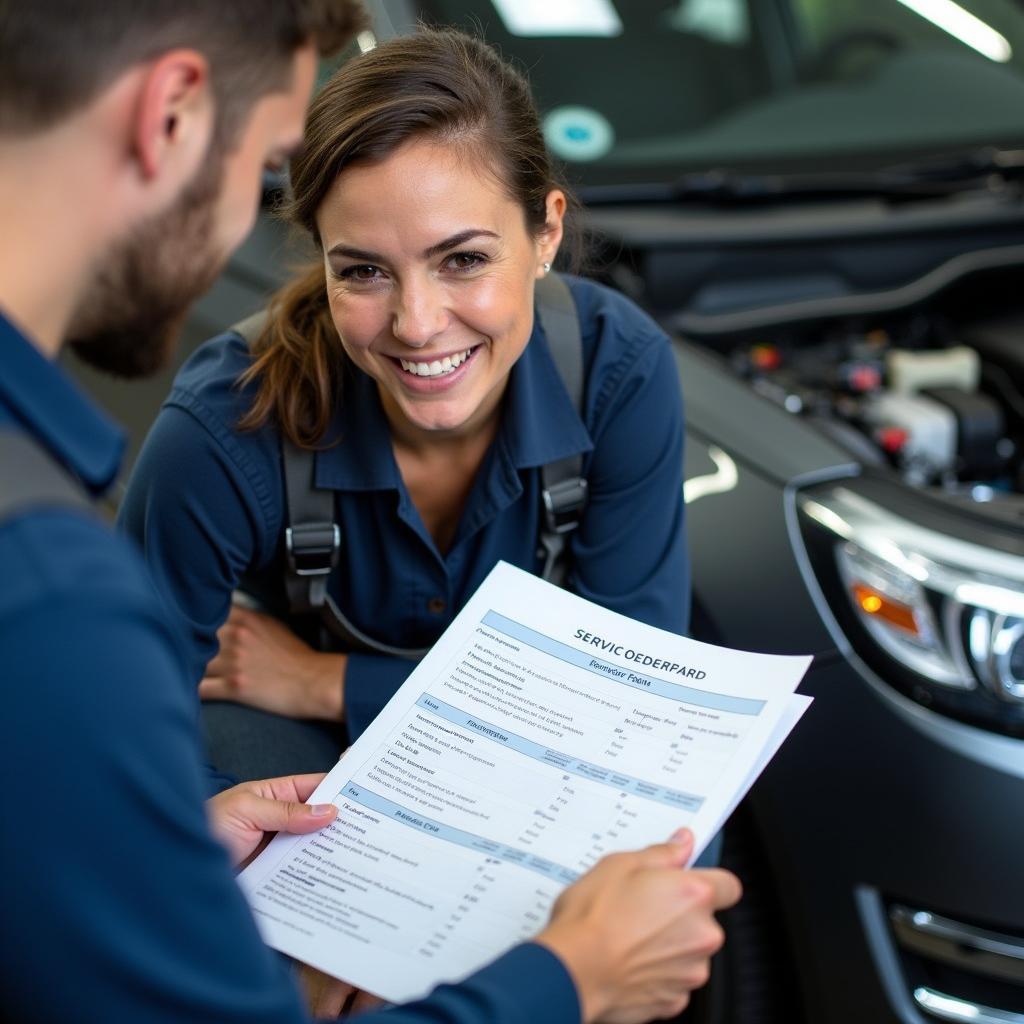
x=439 y=84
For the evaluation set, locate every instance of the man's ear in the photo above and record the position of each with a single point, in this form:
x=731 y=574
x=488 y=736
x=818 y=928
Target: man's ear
x=173 y=120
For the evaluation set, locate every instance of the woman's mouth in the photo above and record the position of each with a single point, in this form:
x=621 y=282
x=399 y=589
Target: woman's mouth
x=436 y=367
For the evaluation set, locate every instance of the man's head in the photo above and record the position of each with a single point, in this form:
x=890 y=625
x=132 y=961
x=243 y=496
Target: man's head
x=180 y=104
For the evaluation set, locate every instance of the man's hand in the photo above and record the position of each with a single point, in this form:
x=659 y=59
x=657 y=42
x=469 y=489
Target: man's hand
x=327 y=998
x=637 y=932
x=240 y=817
x=261 y=662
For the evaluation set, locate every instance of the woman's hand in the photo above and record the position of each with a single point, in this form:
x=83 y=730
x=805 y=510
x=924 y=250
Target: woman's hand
x=262 y=663
x=637 y=932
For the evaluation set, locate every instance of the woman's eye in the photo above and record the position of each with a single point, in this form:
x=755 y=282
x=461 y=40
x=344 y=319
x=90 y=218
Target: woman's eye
x=361 y=273
x=466 y=260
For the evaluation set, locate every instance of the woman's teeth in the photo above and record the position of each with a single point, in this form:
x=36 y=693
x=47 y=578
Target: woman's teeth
x=438 y=368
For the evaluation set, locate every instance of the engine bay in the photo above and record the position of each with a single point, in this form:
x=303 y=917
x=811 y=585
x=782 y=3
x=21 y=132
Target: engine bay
x=935 y=394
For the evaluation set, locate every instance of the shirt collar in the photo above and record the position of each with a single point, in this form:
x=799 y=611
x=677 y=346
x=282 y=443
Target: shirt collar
x=44 y=399
x=539 y=425
x=359 y=455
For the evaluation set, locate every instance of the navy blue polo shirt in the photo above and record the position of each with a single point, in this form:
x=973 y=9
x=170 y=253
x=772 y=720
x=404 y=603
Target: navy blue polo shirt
x=118 y=903
x=206 y=500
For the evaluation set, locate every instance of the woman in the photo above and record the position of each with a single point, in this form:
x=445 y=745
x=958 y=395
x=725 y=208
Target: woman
x=410 y=362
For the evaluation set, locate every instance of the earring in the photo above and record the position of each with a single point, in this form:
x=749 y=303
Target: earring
x=547 y=268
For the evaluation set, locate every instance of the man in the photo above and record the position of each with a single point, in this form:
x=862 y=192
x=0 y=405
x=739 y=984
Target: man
x=132 y=137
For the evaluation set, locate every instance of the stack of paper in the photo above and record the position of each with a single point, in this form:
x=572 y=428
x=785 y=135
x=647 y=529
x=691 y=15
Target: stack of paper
x=540 y=733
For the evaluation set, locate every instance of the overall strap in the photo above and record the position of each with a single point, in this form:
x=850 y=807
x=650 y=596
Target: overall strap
x=31 y=478
x=312 y=547
x=564 y=488
x=312 y=540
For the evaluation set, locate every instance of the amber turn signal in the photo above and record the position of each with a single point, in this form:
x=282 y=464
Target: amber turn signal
x=880 y=606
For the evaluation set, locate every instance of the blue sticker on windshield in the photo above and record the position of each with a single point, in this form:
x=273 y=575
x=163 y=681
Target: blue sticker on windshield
x=578 y=133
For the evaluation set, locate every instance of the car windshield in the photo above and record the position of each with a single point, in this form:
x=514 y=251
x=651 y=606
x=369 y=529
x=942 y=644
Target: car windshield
x=646 y=90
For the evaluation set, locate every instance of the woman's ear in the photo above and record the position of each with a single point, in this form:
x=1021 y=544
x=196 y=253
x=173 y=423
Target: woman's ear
x=550 y=236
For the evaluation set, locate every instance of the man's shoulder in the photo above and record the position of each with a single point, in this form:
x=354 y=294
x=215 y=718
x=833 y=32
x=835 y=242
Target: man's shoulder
x=66 y=558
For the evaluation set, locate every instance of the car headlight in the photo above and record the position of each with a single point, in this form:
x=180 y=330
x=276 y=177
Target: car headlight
x=939 y=615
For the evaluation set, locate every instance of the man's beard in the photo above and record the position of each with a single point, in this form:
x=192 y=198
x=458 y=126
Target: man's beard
x=129 y=320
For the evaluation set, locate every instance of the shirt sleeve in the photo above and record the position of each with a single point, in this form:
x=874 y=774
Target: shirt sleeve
x=528 y=985
x=629 y=553
x=197 y=506
x=118 y=899
x=371 y=680
x=124 y=904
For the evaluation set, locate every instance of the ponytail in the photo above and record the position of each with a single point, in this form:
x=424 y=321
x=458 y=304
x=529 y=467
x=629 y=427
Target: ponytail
x=297 y=362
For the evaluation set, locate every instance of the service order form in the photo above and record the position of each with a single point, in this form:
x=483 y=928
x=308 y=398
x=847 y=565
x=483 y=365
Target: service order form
x=540 y=733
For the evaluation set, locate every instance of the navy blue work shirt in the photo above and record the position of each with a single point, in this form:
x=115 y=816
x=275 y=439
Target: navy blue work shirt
x=118 y=903
x=206 y=501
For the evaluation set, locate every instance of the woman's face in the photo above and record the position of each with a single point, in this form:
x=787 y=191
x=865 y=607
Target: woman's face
x=430 y=277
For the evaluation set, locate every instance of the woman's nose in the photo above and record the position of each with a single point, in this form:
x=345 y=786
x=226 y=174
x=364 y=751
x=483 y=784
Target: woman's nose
x=420 y=314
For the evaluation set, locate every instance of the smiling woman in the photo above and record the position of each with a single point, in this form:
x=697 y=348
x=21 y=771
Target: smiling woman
x=409 y=366
x=451 y=281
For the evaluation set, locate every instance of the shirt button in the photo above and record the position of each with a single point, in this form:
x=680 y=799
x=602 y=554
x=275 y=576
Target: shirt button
x=436 y=605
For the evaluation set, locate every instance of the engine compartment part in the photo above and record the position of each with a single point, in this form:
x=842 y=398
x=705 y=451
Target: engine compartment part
x=980 y=429
x=910 y=372
x=937 y=399
x=918 y=431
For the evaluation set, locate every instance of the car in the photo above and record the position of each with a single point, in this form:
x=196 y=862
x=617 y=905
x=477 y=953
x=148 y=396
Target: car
x=822 y=203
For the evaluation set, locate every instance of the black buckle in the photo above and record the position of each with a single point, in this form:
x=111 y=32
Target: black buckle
x=563 y=503
x=312 y=548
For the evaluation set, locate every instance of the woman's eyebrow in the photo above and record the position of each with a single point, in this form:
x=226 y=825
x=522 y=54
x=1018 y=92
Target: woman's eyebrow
x=457 y=240
x=355 y=254
x=435 y=250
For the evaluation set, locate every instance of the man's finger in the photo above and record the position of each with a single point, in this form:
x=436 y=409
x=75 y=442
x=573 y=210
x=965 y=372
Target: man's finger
x=214 y=688
x=237 y=614
x=726 y=888
x=303 y=785
x=674 y=853
x=290 y=787
x=363 y=1001
x=681 y=835
x=216 y=666
x=326 y=996
x=288 y=815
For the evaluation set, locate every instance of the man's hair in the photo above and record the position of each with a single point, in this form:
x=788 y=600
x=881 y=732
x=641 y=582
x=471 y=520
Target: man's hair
x=56 y=56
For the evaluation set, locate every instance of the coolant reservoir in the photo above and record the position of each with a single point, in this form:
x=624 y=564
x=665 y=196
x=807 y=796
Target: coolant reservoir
x=910 y=372
x=929 y=429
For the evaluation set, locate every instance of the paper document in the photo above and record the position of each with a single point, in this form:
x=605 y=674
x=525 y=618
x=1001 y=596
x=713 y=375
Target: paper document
x=540 y=733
